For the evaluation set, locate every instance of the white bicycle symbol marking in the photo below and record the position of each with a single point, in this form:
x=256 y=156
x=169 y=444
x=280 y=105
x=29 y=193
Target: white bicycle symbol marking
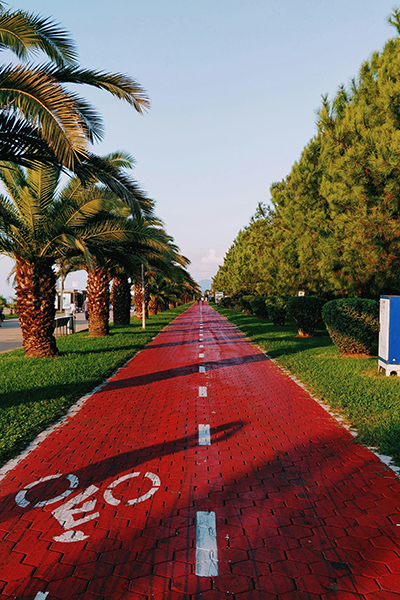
x=66 y=511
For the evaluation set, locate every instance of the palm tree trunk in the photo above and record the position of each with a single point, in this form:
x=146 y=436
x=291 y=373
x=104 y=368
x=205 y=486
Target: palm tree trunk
x=36 y=292
x=153 y=306
x=138 y=301
x=98 y=295
x=147 y=294
x=121 y=300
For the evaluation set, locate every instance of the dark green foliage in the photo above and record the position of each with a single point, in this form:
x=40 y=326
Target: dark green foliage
x=235 y=299
x=333 y=228
x=258 y=307
x=305 y=312
x=225 y=302
x=245 y=302
x=352 y=323
x=276 y=307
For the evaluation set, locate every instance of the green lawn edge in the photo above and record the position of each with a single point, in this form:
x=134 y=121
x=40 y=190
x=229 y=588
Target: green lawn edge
x=368 y=401
x=36 y=392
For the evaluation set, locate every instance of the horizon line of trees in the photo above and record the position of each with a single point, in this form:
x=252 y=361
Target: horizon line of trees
x=99 y=220
x=333 y=226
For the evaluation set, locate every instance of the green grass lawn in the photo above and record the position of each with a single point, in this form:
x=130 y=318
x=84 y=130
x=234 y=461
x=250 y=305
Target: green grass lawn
x=35 y=393
x=369 y=401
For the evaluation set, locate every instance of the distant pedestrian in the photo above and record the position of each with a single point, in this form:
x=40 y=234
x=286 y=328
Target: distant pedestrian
x=72 y=308
x=85 y=308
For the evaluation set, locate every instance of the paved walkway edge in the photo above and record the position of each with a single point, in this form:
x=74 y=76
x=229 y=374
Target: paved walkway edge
x=72 y=411
x=387 y=460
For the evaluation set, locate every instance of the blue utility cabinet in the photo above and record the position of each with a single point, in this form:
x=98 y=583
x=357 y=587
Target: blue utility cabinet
x=389 y=335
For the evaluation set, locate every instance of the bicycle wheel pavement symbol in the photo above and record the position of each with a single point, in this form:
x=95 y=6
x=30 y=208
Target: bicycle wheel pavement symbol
x=84 y=502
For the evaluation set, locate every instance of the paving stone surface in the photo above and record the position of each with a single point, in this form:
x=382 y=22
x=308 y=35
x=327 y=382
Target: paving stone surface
x=108 y=506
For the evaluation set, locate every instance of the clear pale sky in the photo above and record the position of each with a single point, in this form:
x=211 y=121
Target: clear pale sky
x=234 y=86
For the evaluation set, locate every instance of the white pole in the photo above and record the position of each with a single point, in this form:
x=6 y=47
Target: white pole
x=143 y=301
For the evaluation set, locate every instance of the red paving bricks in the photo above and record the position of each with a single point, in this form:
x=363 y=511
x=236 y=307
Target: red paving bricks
x=303 y=512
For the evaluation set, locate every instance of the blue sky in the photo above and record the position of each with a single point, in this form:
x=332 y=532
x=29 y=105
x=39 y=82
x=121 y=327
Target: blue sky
x=234 y=86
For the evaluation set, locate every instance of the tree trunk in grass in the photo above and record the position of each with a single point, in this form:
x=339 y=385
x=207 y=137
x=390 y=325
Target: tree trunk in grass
x=153 y=306
x=36 y=292
x=98 y=295
x=121 y=300
x=146 y=293
x=138 y=301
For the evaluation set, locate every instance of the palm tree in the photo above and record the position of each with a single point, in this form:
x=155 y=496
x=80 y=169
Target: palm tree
x=167 y=290
x=40 y=223
x=161 y=270
x=40 y=119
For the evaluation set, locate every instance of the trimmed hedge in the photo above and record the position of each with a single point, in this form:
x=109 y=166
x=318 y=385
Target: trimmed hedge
x=258 y=307
x=352 y=323
x=277 y=309
x=225 y=302
x=245 y=303
x=305 y=312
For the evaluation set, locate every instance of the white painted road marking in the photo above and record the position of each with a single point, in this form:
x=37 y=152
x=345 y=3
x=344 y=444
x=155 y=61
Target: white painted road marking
x=201 y=346
x=21 y=500
x=41 y=596
x=65 y=515
x=204 y=435
x=108 y=497
x=206 y=545
x=65 y=512
x=201 y=355
x=202 y=369
x=202 y=391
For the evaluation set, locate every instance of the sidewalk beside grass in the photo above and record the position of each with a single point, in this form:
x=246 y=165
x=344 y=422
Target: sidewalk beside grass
x=368 y=402
x=37 y=392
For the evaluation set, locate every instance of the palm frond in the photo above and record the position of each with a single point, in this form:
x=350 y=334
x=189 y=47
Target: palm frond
x=43 y=183
x=119 y=85
x=33 y=93
x=25 y=33
x=95 y=168
x=21 y=142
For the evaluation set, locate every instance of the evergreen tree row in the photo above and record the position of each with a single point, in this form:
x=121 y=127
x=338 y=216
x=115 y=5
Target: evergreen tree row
x=334 y=225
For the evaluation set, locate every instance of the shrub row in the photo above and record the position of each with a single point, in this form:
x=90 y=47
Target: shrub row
x=352 y=323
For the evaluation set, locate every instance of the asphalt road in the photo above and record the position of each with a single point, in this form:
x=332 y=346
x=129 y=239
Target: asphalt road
x=11 y=335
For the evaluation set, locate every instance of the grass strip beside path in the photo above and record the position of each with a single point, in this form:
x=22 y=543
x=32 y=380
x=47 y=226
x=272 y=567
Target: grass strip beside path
x=368 y=401
x=37 y=392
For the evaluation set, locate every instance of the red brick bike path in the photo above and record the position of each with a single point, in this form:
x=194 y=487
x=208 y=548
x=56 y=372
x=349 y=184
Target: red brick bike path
x=302 y=511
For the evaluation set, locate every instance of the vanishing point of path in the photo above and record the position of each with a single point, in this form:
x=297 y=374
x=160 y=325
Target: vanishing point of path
x=200 y=470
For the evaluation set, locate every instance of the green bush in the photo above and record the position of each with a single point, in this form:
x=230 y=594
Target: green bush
x=245 y=304
x=225 y=302
x=276 y=307
x=305 y=312
x=258 y=307
x=352 y=323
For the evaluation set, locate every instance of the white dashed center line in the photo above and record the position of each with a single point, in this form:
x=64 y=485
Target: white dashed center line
x=201 y=355
x=206 y=545
x=41 y=595
x=202 y=391
x=204 y=435
x=202 y=369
